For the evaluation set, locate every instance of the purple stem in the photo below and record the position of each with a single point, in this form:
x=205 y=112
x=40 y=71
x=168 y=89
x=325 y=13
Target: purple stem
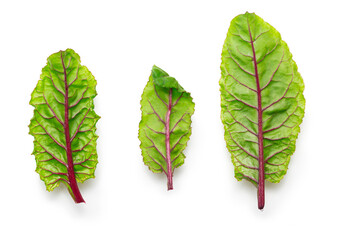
x=167 y=142
x=260 y=188
x=70 y=168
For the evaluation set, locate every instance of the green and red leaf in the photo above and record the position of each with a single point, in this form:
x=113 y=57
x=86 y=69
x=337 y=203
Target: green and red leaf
x=64 y=123
x=262 y=101
x=165 y=127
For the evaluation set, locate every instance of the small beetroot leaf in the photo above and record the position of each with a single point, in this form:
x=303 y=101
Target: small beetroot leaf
x=64 y=123
x=165 y=127
x=262 y=101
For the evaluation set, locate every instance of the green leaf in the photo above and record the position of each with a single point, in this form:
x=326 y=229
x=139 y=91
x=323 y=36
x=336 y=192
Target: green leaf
x=262 y=101
x=64 y=123
x=165 y=127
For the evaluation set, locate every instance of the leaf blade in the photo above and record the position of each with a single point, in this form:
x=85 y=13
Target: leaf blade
x=165 y=127
x=260 y=88
x=64 y=144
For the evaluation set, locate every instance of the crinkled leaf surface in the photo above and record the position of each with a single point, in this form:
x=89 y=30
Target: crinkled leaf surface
x=165 y=127
x=262 y=101
x=64 y=123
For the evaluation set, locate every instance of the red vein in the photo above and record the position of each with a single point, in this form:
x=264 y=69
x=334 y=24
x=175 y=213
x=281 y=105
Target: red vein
x=76 y=76
x=159 y=96
x=276 y=153
x=58 y=100
x=174 y=159
x=244 y=165
x=241 y=101
x=56 y=173
x=41 y=114
x=46 y=160
x=274 y=72
x=61 y=122
x=177 y=100
x=177 y=142
x=252 y=155
x=90 y=129
x=243 y=53
x=157 y=163
x=277 y=165
x=240 y=67
x=86 y=166
x=78 y=150
x=251 y=120
x=181 y=119
x=59 y=160
x=82 y=97
x=275 y=139
x=282 y=124
x=55 y=85
x=69 y=62
x=240 y=37
x=242 y=83
x=155 y=130
x=160 y=119
x=70 y=168
x=268 y=53
x=88 y=159
x=154 y=146
x=274 y=172
x=282 y=96
x=260 y=35
x=54 y=140
x=88 y=174
x=79 y=112
x=167 y=142
x=246 y=176
x=59 y=179
x=77 y=131
x=240 y=123
x=261 y=198
x=169 y=171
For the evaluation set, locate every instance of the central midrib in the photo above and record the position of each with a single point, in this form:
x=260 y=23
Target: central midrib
x=167 y=142
x=261 y=179
x=70 y=167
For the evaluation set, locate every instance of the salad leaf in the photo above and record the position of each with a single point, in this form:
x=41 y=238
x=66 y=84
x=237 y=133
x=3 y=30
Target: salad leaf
x=165 y=127
x=261 y=99
x=64 y=123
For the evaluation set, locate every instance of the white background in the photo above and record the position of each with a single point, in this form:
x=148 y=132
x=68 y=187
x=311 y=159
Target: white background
x=119 y=41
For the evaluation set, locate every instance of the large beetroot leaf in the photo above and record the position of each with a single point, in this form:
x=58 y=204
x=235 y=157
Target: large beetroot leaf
x=262 y=101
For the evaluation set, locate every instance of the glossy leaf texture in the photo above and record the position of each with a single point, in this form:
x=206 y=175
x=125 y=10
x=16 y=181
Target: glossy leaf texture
x=165 y=127
x=64 y=123
x=262 y=101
